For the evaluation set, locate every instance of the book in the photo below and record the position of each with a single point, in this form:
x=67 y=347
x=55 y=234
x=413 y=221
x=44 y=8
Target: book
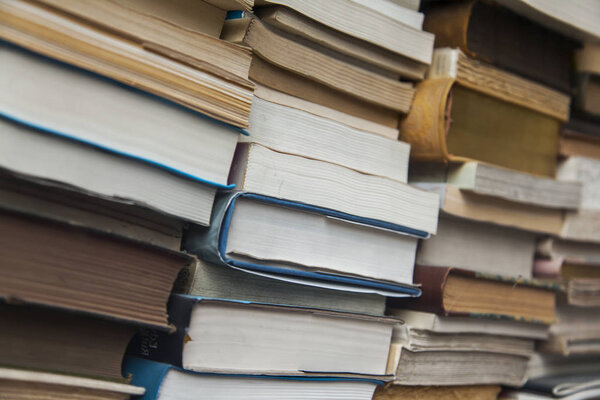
x=439 y=368
x=542 y=54
x=207 y=280
x=111 y=277
x=313 y=64
x=586 y=385
x=577 y=331
x=164 y=381
x=582 y=224
x=61 y=161
x=547 y=365
x=579 y=21
x=308 y=244
x=574 y=142
x=297 y=24
x=474 y=392
x=452 y=291
x=586 y=171
x=54 y=201
x=568 y=255
x=395 y=11
x=415 y=340
x=46 y=339
x=292 y=131
x=129 y=47
x=351 y=121
x=472 y=206
x=366 y=24
x=196 y=147
x=258 y=169
x=486 y=179
x=440 y=324
x=479 y=247
x=487 y=79
x=21 y=384
x=451 y=122
x=494 y=181
x=293 y=84
x=223 y=336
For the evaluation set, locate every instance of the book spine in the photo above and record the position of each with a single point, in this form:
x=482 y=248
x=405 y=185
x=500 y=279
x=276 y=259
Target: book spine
x=162 y=346
x=432 y=281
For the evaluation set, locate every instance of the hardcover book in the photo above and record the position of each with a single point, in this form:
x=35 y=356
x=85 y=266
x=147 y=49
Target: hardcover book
x=308 y=244
x=247 y=338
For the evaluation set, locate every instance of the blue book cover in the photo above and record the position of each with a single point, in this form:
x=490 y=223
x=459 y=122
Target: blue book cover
x=210 y=245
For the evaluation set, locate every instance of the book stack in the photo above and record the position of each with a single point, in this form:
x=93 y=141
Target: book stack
x=118 y=124
x=287 y=298
x=484 y=131
x=296 y=200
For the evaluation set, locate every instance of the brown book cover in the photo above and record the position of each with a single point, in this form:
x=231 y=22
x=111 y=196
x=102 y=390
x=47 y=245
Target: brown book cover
x=450 y=122
x=47 y=339
x=494 y=34
x=457 y=292
x=64 y=266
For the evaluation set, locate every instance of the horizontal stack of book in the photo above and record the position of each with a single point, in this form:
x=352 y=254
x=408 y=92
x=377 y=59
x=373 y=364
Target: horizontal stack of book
x=118 y=124
x=295 y=199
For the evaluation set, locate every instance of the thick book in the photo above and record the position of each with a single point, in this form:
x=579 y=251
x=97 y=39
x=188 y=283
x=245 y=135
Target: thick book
x=292 y=131
x=464 y=392
x=493 y=81
x=479 y=247
x=365 y=24
x=452 y=291
x=503 y=38
x=586 y=171
x=47 y=339
x=278 y=97
x=195 y=147
x=48 y=199
x=297 y=24
x=288 y=82
x=163 y=381
x=70 y=164
x=258 y=169
x=308 y=244
x=437 y=368
x=452 y=122
x=490 y=180
x=22 y=384
x=208 y=280
x=476 y=207
x=584 y=224
x=240 y=337
x=309 y=62
x=99 y=274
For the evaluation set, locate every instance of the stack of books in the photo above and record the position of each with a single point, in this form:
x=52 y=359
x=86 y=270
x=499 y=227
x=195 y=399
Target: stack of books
x=296 y=200
x=118 y=125
x=484 y=131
